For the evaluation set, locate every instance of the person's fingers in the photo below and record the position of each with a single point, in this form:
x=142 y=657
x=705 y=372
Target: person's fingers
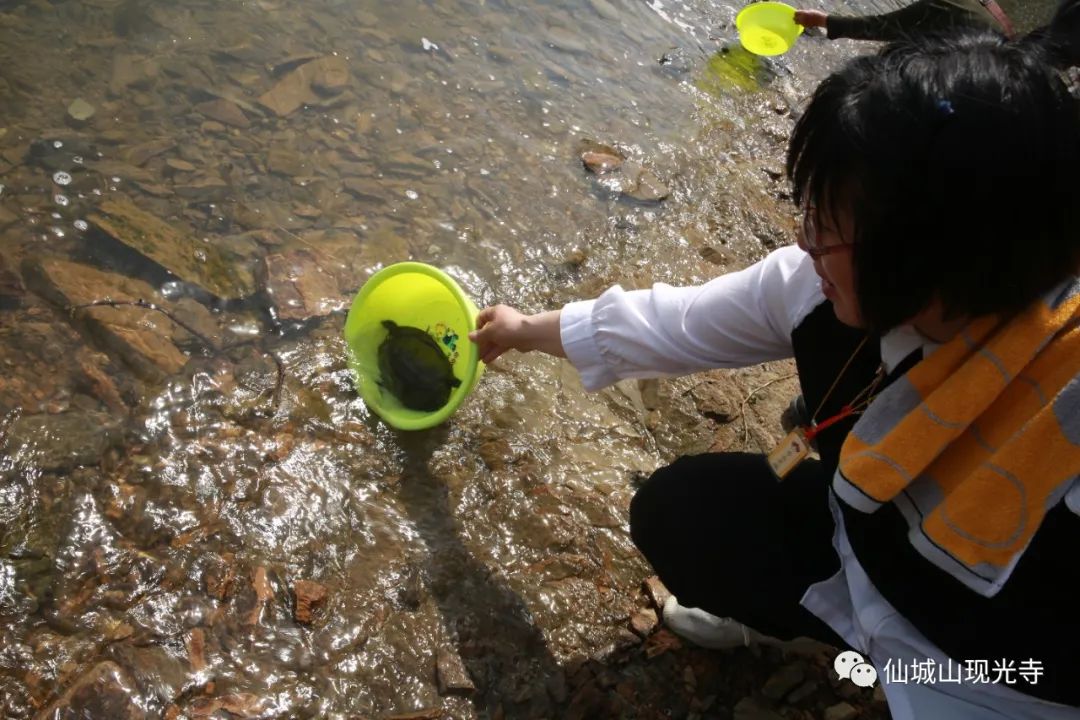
x=485 y=316
x=491 y=354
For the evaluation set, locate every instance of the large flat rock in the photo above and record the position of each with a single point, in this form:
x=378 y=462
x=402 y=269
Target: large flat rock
x=144 y=339
x=183 y=255
x=302 y=284
x=62 y=442
x=104 y=692
x=326 y=76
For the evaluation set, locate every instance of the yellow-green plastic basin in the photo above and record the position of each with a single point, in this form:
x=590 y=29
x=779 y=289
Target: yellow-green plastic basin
x=417 y=295
x=768 y=28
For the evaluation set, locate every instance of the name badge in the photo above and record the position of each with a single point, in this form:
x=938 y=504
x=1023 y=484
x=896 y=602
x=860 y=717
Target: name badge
x=791 y=451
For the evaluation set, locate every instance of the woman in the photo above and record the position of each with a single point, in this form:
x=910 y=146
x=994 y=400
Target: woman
x=1061 y=36
x=932 y=308
x=921 y=16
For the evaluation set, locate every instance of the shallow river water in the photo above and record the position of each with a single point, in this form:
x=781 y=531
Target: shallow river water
x=198 y=515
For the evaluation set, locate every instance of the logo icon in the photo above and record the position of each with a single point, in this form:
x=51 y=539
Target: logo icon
x=850 y=665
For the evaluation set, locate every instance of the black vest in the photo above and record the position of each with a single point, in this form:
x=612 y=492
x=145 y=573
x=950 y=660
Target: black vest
x=1034 y=617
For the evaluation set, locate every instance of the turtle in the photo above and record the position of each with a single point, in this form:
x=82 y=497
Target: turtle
x=414 y=369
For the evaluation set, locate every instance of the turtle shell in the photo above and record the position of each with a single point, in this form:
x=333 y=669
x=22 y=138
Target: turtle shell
x=415 y=369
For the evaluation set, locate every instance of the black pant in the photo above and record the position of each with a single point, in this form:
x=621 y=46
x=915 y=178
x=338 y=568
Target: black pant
x=726 y=536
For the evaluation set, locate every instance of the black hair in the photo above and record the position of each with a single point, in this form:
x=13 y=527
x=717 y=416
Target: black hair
x=959 y=156
x=1060 y=38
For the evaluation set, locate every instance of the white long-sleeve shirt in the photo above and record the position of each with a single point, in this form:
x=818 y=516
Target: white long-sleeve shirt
x=746 y=318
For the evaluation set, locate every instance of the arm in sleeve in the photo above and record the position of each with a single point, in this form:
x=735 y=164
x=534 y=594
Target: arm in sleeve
x=918 y=17
x=738 y=319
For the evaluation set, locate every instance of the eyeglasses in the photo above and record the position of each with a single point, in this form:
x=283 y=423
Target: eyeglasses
x=810 y=236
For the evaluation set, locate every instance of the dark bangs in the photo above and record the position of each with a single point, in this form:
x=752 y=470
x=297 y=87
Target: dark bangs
x=958 y=157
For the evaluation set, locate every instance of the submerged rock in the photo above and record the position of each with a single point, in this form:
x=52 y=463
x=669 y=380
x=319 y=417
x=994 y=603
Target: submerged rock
x=196 y=262
x=224 y=111
x=144 y=339
x=642 y=184
x=301 y=284
x=783 y=681
x=327 y=75
x=10 y=283
x=599 y=158
x=244 y=705
x=643 y=622
x=310 y=598
x=62 y=442
x=601 y=163
x=104 y=692
x=139 y=154
x=130 y=71
x=452 y=675
x=80 y=111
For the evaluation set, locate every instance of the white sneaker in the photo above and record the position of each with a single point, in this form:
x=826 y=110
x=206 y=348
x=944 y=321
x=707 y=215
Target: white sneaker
x=719 y=633
x=705 y=629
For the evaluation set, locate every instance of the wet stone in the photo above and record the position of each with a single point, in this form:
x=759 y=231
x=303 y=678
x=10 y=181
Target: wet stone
x=130 y=71
x=604 y=9
x=714 y=255
x=365 y=189
x=286 y=162
x=496 y=453
x=10 y=283
x=263 y=595
x=139 y=336
x=203 y=189
x=64 y=441
x=567 y=40
x=181 y=254
x=7 y=217
x=660 y=642
x=196 y=648
x=139 y=154
x=179 y=165
x=244 y=705
x=644 y=622
x=656 y=591
x=327 y=75
x=783 y=681
x=425 y=714
x=219 y=578
x=841 y=711
x=301 y=284
x=155 y=190
x=601 y=163
x=642 y=184
x=330 y=74
x=80 y=111
x=16 y=154
x=104 y=692
x=751 y=709
x=310 y=598
x=224 y=111
x=802 y=692
x=125 y=171
x=452 y=676
x=292 y=62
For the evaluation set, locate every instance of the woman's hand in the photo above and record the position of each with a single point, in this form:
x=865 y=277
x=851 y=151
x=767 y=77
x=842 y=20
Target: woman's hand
x=500 y=328
x=811 y=18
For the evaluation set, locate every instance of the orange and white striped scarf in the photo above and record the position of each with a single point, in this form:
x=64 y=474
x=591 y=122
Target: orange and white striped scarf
x=977 y=441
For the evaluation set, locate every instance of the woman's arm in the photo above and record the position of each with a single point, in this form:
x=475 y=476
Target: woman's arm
x=500 y=328
x=918 y=17
x=738 y=319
